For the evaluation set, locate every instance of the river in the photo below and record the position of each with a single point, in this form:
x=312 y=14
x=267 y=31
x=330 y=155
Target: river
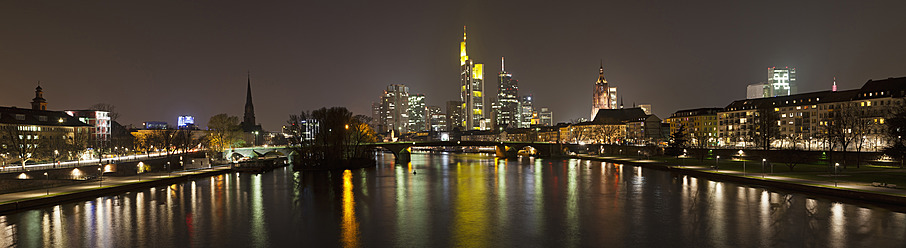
x=464 y=200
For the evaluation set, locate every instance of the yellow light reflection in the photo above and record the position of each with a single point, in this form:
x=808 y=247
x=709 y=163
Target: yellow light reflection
x=350 y=225
x=471 y=222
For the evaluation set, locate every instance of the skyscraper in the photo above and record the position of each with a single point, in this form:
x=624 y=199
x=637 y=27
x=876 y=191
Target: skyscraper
x=417 y=113
x=454 y=115
x=437 y=120
x=546 y=117
x=248 y=119
x=471 y=79
x=506 y=109
x=605 y=96
x=526 y=111
x=395 y=109
x=781 y=82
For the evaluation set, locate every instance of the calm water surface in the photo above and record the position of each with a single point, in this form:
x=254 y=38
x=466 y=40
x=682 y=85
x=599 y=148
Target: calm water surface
x=457 y=200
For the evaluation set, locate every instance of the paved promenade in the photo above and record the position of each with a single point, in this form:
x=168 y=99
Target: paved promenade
x=768 y=179
x=17 y=200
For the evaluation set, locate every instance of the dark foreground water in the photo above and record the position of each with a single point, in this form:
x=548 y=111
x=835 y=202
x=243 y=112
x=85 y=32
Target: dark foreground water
x=457 y=200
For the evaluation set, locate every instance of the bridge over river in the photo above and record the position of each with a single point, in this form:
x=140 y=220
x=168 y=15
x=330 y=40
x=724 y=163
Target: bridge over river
x=503 y=149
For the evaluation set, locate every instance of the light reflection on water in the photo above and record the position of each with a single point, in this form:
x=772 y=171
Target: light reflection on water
x=457 y=200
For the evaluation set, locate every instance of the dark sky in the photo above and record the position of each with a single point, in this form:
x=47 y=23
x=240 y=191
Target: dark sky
x=159 y=59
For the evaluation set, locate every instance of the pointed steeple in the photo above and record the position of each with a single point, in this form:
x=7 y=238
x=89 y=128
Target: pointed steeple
x=248 y=119
x=601 y=74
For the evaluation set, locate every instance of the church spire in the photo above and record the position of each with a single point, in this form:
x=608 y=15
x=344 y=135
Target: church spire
x=39 y=103
x=601 y=73
x=248 y=119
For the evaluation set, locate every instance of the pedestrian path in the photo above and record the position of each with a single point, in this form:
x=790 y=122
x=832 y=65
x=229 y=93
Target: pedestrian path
x=757 y=175
x=107 y=182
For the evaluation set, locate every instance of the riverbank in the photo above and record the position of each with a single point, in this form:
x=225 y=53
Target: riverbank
x=753 y=175
x=18 y=201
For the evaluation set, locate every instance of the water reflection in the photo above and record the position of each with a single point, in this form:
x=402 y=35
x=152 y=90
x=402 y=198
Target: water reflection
x=457 y=200
x=350 y=225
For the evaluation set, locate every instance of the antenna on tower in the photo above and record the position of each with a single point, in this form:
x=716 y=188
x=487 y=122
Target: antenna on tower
x=834 y=88
x=501 y=64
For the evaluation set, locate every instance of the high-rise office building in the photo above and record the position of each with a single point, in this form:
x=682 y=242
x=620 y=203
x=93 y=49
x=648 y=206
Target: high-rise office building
x=546 y=117
x=454 y=115
x=471 y=79
x=605 y=96
x=376 y=117
x=755 y=90
x=526 y=110
x=437 y=120
x=506 y=109
x=781 y=82
x=395 y=109
x=417 y=113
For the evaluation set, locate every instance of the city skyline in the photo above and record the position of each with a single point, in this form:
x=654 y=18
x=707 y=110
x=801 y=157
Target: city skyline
x=194 y=62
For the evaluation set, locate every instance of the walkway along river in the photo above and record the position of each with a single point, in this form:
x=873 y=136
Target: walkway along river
x=458 y=200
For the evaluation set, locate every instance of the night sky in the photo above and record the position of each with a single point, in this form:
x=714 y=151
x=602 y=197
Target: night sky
x=157 y=61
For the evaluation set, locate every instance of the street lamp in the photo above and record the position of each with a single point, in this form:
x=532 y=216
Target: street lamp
x=256 y=136
x=56 y=153
x=716 y=162
x=762 y=167
x=101 y=180
x=47 y=178
x=836 y=166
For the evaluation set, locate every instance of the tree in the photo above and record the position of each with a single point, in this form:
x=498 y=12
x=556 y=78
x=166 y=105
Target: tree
x=223 y=132
x=678 y=141
x=337 y=137
x=895 y=132
x=18 y=142
x=110 y=108
x=766 y=128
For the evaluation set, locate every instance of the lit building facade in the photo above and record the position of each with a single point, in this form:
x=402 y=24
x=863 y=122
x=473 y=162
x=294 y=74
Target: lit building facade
x=605 y=95
x=700 y=125
x=506 y=110
x=99 y=120
x=395 y=109
x=471 y=89
x=437 y=120
x=454 y=115
x=185 y=122
x=30 y=134
x=781 y=82
x=526 y=111
x=545 y=117
x=417 y=113
x=817 y=120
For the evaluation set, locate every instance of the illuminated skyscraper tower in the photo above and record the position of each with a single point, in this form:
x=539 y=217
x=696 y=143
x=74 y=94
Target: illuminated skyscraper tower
x=781 y=82
x=605 y=96
x=506 y=110
x=471 y=78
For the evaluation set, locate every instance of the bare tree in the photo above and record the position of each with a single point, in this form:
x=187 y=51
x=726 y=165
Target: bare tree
x=110 y=108
x=765 y=129
x=19 y=143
